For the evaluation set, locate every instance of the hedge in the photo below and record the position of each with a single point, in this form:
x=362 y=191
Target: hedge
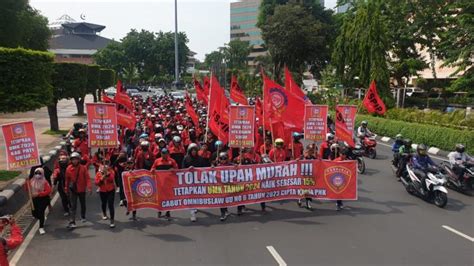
x=107 y=78
x=440 y=137
x=25 y=77
x=456 y=119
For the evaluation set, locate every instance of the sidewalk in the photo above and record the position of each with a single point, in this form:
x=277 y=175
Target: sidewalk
x=40 y=118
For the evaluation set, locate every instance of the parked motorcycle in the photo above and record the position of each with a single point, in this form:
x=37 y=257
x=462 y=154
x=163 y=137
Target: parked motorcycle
x=435 y=185
x=369 y=144
x=463 y=184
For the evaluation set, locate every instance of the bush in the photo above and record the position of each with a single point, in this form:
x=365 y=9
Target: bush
x=25 y=77
x=107 y=78
x=440 y=137
x=456 y=119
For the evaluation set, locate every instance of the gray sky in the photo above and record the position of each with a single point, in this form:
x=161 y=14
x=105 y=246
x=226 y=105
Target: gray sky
x=206 y=22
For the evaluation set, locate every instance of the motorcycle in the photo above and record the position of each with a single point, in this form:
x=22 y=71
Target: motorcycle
x=464 y=184
x=369 y=144
x=435 y=185
x=356 y=154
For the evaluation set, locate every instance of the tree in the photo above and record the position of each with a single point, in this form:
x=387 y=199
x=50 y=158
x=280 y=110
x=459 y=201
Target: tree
x=25 y=79
x=298 y=36
x=112 y=56
x=457 y=42
x=67 y=79
x=107 y=78
x=93 y=80
x=236 y=53
x=361 y=49
x=22 y=26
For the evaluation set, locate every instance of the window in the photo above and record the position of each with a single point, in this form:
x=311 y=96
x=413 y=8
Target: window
x=256 y=42
x=242 y=18
x=243 y=26
x=247 y=9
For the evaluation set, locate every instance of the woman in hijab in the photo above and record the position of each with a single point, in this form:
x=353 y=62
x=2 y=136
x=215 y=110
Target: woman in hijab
x=40 y=190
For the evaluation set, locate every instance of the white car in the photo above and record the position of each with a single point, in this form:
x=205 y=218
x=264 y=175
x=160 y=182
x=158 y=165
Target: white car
x=178 y=94
x=133 y=92
x=110 y=91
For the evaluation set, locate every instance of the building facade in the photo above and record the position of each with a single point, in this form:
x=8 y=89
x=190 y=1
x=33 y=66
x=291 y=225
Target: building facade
x=76 y=42
x=243 y=26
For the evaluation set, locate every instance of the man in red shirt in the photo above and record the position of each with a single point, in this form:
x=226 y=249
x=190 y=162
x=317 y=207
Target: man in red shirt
x=144 y=158
x=165 y=162
x=296 y=148
x=325 y=149
x=77 y=182
x=266 y=147
x=278 y=153
x=81 y=142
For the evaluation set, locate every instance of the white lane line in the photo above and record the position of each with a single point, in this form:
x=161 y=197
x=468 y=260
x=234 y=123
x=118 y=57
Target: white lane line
x=19 y=252
x=276 y=256
x=458 y=233
x=431 y=155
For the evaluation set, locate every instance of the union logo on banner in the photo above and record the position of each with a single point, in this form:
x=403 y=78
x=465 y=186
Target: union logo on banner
x=315 y=111
x=278 y=99
x=347 y=110
x=243 y=112
x=144 y=187
x=101 y=111
x=18 y=131
x=337 y=178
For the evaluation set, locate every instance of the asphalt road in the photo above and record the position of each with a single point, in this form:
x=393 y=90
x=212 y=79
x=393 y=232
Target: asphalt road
x=386 y=226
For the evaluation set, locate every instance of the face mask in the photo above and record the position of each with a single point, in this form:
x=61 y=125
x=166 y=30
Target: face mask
x=37 y=176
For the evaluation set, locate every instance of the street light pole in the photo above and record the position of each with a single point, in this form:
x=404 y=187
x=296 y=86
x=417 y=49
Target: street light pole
x=176 y=67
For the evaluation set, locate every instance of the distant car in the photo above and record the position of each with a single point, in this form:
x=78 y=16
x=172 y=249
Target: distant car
x=178 y=94
x=110 y=92
x=133 y=92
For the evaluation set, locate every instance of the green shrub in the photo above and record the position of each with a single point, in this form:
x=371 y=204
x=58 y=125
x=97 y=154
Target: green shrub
x=431 y=135
x=456 y=119
x=107 y=78
x=25 y=77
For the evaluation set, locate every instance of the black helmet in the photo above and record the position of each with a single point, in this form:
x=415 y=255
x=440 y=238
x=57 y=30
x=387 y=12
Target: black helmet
x=407 y=142
x=460 y=148
x=421 y=149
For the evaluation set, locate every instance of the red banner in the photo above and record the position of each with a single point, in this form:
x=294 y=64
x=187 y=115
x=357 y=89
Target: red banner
x=241 y=126
x=140 y=188
x=126 y=120
x=315 y=122
x=345 y=119
x=219 y=111
x=20 y=145
x=226 y=186
x=372 y=101
x=102 y=120
x=236 y=93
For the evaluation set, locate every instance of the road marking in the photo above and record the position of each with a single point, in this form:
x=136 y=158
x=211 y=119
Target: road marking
x=276 y=256
x=29 y=237
x=432 y=156
x=458 y=233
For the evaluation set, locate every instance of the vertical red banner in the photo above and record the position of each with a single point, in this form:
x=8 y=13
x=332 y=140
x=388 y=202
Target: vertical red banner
x=102 y=119
x=20 y=145
x=241 y=126
x=315 y=122
x=345 y=119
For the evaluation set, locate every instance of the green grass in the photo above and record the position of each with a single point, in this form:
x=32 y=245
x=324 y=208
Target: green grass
x=60 y=132
x=7 y=175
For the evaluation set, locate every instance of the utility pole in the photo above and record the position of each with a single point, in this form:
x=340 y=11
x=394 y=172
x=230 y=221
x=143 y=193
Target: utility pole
x=176 y=61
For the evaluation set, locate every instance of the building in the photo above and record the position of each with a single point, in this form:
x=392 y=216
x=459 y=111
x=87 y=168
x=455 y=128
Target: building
x=243 y=26
x=191 y=63
x=75 y=42
x=342 y=8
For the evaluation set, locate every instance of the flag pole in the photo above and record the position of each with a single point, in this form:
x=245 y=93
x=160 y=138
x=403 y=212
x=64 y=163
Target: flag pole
x=263 y=118
x=208 y=106
x=273 y=138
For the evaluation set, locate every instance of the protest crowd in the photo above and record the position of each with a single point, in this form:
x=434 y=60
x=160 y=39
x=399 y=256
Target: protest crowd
x=160 y=133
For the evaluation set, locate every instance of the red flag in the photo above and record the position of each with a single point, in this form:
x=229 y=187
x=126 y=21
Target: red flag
x=345 y=119
x=291 y=85
x=207 y=85
x=281 y=105
x=372 y=101
x=126 y=120
x=122 y=98
x=190 y=110
x=119 y=86
x=200 y=93
x=107 y=99
x=219 y=111
x=259 y=112
x=236 y=93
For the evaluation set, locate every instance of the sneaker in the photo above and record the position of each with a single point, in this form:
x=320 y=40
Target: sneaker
x=71 y=225
x=66 y=214
x=121 y=203
x=239 y=212
x=97 y=190
x=41 y=231
x=160 y=215
x=112 y=225
x=83 y=220
x=224 y=216
x=308 y=205
x=105 y=217
x=117 y=190
x=127 y=213
x=193 y=217
x=299 y=203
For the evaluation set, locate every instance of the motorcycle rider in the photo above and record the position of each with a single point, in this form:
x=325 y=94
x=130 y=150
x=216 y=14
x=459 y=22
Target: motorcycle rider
x=422 y=163
x=405 y=153
x=325 y=149
x=396 y=148
x=459 y=159
x=363 y=132
x=278 y=153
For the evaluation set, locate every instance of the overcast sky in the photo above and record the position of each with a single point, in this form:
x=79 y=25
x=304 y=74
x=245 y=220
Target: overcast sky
x=206 y=22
